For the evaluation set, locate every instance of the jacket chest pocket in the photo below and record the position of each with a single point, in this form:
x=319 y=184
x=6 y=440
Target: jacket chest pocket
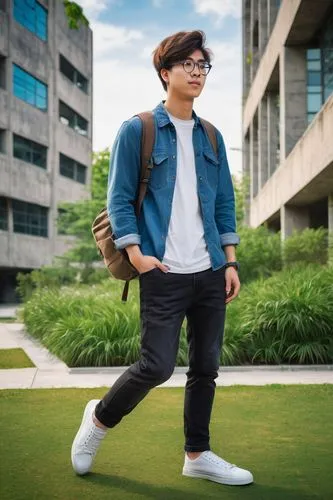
x=159 y=174
x=211 y=168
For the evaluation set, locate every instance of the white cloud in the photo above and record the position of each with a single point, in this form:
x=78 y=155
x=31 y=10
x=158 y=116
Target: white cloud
x=92 y=8
x=220 y=9
x=108 y=37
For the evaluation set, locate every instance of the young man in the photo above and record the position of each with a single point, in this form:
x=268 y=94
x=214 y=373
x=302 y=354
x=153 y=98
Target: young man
x=183 y=246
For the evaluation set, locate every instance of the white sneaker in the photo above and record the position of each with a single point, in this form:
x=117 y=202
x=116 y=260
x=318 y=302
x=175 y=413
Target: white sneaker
x=87 y=441
x=210 y=466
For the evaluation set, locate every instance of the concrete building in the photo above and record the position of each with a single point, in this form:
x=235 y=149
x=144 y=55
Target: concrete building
x=288 y=113
x=45 y=131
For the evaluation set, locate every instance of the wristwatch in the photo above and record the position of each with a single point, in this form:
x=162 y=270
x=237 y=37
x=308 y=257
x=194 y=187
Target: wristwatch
x=234 y=264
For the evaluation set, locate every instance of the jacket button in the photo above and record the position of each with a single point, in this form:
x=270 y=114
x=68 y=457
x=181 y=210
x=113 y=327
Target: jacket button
x=173 y=157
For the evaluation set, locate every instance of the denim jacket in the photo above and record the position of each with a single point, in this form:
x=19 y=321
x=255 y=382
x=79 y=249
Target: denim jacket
x=214 y=186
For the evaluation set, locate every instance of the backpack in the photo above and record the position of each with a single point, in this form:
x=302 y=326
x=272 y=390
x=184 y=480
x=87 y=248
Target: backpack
x=117 y=261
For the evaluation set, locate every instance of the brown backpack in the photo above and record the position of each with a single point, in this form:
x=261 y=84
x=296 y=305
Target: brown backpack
x=117 y=261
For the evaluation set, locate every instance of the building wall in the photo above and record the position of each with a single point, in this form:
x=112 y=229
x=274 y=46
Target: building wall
x=289 y=161
x=24 y=181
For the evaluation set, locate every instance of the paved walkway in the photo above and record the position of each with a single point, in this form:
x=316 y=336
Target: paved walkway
x=51 y=372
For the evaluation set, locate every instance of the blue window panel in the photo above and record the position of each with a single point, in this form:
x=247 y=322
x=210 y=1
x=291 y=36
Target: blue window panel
x=314 y=65
x=314 y=89
x=314 y=103
x=313 y=54
x=314 y=78
x=29 y=89
x=41 y=89
x=32 y=16
x=41 y=103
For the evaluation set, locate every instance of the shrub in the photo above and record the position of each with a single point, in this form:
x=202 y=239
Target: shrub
x=307 y=246
x=287 y=318
x=259 y=253
x=56 y=277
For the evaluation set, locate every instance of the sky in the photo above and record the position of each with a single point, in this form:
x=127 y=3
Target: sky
x=125 y=33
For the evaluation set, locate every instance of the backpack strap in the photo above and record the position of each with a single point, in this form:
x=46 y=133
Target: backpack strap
x=147 y=144
x=211 y=132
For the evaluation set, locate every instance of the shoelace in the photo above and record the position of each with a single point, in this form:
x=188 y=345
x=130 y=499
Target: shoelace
x=93 y=441
x=211 y=457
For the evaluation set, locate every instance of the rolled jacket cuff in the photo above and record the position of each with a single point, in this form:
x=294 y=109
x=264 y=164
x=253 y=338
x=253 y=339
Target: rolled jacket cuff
x=129 y=239
x=229 y=239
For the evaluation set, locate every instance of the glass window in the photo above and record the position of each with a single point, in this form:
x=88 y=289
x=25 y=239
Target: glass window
x=3 y=214
x=2 y=72
x=314 y=78
x=29 y=218
x=314 y=103
x=72 y=169
x=2 y=140
x=327 y=55
x=72 y=119
x=32 y=15
x=29 y=151
x=313 y=54
x=73 y=74
x=314 y=82
x=29 y=89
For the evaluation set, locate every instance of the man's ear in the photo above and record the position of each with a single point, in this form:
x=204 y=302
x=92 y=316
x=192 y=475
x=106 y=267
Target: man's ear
x=164 y=74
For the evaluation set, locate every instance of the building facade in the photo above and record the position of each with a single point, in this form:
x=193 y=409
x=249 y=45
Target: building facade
x=45 y=131
x=288 y=113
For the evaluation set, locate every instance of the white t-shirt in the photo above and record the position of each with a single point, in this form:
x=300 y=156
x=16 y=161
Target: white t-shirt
x=186 y=249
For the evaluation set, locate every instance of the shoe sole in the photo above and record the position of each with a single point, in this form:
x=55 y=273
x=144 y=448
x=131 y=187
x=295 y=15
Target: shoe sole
x=86 y=414
x=217 y=479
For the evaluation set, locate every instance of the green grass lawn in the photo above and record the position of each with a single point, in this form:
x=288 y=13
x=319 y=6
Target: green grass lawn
x=14 y=358
x=283 y=434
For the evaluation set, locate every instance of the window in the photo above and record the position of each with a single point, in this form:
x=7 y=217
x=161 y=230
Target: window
x=3 y=148
x=29 y=89
x=314 y=83
x=72 y=119
x=3 y=214
x=72 y=169
x=3 y=5
x=2 y=72
x=73 y=74
x=29 y=151
x=32 y=16
x=29 y=218
x=326 y=43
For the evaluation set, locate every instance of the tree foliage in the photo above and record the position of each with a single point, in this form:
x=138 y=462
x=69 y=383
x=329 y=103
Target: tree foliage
x=75 y=219
x=75 y=15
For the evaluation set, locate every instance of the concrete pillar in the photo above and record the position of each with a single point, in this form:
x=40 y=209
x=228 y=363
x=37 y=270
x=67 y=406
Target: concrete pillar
x=272 y=132
x=254 y=38
x=293 y=218
x=272 y=11
x=247 y=177
x=293 y=96
x=246 y=47
x=254 y=158
x=262 y=143
x=263 y=25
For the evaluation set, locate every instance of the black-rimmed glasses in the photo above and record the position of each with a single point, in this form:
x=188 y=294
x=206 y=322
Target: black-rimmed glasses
x=203 y=66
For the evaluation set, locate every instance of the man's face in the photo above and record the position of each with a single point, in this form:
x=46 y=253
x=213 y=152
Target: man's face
x=186 y=83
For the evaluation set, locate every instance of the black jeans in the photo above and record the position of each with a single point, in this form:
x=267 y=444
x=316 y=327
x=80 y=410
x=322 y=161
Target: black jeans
x=165 y=299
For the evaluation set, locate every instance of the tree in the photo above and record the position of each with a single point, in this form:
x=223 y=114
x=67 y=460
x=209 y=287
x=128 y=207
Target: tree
x=75 y=219
x=75 y=15
x=241 y=189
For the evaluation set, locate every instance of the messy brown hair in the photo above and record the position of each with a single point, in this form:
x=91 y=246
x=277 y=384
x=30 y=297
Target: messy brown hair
x=178 y=47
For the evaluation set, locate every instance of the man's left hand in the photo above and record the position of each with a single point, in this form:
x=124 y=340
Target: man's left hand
x=232 y=284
